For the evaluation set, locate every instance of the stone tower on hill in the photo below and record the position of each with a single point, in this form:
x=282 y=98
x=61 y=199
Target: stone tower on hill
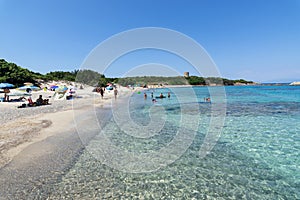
x=186 y=74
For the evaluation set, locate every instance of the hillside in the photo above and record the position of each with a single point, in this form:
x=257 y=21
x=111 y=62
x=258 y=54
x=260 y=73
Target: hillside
x=180 y=80
x=12 y=73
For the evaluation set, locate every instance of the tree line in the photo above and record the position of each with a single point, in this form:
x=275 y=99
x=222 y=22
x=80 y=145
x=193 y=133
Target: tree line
x=179 y=80
x=12 y=73
x=196 y=80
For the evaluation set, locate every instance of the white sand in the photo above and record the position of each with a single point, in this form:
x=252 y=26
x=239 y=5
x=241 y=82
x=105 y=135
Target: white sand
x=21 y=127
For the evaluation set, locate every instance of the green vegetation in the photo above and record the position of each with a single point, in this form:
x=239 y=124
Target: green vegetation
x=60 y=75
x=11 y=73
x=93 y=78
x=85 y=76
x=243 y=81
x=152 y=80
x=195 y=80
x=179 y=80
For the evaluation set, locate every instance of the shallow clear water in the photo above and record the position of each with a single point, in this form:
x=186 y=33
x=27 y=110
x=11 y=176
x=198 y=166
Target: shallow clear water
x=256 y=157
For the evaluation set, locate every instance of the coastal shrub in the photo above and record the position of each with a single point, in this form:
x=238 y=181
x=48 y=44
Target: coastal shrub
x=12 y=73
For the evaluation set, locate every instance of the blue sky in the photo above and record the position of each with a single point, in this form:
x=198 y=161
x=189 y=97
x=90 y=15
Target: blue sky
x=251 y=39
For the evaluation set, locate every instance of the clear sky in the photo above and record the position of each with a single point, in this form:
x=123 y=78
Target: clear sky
x=252 y=39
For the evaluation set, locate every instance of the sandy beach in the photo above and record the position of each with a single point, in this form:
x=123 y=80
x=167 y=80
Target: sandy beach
x=22 y=127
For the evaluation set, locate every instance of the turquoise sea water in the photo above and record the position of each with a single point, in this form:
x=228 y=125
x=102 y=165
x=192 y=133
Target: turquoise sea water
x=256 y=156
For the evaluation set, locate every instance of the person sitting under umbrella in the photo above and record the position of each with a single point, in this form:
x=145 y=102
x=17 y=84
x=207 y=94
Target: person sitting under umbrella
x=28 y=90
x=6 y=97
x=39 y=101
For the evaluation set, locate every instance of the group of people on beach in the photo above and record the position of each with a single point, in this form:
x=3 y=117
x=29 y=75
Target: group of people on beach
x=39 y=102
x=101 y=91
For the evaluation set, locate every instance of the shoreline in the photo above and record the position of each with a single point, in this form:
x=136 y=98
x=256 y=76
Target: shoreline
x=217 y=85
x=22 y=127
x=48 y=144
x=61 y=165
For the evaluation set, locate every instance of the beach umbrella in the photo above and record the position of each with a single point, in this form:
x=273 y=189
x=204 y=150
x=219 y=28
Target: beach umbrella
x=109 y=87
x=19 y=94
x=72 y=88
x=61 y=89
x=29 y=87
x=53 y=86
x=6 y=85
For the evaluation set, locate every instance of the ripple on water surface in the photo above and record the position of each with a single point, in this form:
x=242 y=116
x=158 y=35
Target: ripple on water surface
x=257 y=157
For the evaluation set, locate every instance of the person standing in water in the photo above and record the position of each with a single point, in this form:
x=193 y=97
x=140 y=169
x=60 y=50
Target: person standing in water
x=145 y=95
x=169 y=94
x=115 y=93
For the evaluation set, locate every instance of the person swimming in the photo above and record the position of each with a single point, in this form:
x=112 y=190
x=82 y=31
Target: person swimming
x=207 y=99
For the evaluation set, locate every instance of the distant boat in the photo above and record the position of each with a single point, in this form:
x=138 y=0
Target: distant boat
x=295 y=83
